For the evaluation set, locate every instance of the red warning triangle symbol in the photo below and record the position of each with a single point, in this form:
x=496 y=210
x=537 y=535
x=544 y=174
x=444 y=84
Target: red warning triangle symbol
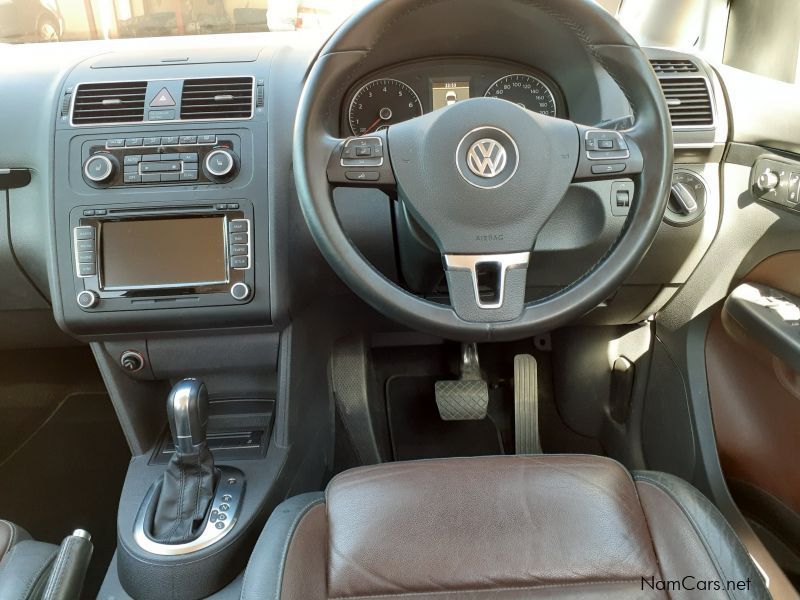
x=163 y=98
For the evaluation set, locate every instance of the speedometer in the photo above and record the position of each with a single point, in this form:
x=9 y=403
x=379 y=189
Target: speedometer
x=526 y=90
x=381 y=103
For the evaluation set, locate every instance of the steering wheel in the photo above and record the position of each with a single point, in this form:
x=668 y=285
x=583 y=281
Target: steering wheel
x=482 y=177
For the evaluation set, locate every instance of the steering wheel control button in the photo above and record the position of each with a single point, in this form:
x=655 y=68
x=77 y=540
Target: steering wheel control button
x=605 y=169
x=88 y=299
x=241 y=292
x=362 y=152
x=363 y=175
x=99 y=168
x=487 y=157
x=606 y=145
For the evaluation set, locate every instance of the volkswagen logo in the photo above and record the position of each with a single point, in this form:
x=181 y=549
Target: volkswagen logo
x=487 y=158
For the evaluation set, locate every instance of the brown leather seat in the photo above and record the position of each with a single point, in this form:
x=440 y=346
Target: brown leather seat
x=500 y=527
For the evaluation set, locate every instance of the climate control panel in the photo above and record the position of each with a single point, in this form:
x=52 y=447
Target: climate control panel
x=166 y=159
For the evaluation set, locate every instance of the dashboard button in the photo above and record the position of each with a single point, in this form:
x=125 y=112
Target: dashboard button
x=131 y=169
x=87 y=269
x=133 y=142
x=151 y=177
x=87 y=257
x=171 y=140
x=132 y=159
x=240 y=262
x=238 y=250
x=132 y=178
x=189 y=176
x=161 y=166
x=240 y=238
x=237 y=226
x=152 y=141
x=160 y=115
x=84 y=233
x=170 y=176
x=188 y=156
x=85 y=245
x=151 y=157
x=115 y=143
x=207 y=139
x=174 y=156
x=188 y=139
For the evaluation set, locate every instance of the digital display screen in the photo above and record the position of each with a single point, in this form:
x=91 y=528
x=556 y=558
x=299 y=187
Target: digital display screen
x=163 y=253
x=446 y=93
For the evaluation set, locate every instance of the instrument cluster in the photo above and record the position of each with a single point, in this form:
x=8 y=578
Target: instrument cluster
x=410 y=90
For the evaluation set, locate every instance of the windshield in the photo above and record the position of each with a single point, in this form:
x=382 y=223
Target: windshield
x=27 y=21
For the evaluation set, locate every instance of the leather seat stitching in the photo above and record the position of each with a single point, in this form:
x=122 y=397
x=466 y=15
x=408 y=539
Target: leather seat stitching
x=649 y=529
x=659 y=486
x=38 y=574
x=500 y=589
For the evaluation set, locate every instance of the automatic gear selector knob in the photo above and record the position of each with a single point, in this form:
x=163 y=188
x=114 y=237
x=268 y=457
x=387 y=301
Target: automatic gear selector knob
x=187 y=412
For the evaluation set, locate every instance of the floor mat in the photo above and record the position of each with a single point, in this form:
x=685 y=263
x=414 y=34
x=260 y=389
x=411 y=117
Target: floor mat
x=417 y=431
x=67 y=475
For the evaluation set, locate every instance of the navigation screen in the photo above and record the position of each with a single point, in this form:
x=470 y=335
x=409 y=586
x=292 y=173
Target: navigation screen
x=163 y=253
x=446 y=93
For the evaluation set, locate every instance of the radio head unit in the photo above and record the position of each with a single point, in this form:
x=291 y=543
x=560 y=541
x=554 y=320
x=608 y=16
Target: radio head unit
x=127 y=258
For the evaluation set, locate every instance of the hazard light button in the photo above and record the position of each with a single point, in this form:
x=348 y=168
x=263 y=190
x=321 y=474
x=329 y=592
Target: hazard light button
x=163 y=98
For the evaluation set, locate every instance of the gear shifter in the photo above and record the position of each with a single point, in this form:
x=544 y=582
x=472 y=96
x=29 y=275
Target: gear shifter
x=188 y=485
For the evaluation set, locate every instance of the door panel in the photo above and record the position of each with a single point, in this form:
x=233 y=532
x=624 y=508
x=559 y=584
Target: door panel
x=755 y=400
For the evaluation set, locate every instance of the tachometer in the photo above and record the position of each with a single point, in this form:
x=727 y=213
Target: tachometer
x=381 y=103
x=526 y=90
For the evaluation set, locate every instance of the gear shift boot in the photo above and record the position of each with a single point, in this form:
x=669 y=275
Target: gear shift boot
x=189 y=479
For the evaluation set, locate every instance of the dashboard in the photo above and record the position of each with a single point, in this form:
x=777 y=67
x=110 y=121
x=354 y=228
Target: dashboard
x=404 y=91
x=149 y=157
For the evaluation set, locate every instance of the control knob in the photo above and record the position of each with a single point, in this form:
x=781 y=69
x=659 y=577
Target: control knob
x=88 y=299
x=220 y=164
x=241 y=291
x=100 y=167
x=768 y=181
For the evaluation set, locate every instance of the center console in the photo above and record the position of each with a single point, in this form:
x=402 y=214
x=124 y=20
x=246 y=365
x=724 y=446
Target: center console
x=161 y=224
x=162 y=254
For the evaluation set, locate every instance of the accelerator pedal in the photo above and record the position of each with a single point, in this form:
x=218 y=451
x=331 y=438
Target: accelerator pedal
x=526 y=405
x=467 y=398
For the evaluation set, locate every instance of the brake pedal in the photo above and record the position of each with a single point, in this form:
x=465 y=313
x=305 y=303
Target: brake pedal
x=526 y=405
x=467 y=398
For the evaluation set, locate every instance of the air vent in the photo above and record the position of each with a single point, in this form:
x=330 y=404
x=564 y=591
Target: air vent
x=222 y=98
x=689 y=101
x=119 y=102
x=674 y=66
